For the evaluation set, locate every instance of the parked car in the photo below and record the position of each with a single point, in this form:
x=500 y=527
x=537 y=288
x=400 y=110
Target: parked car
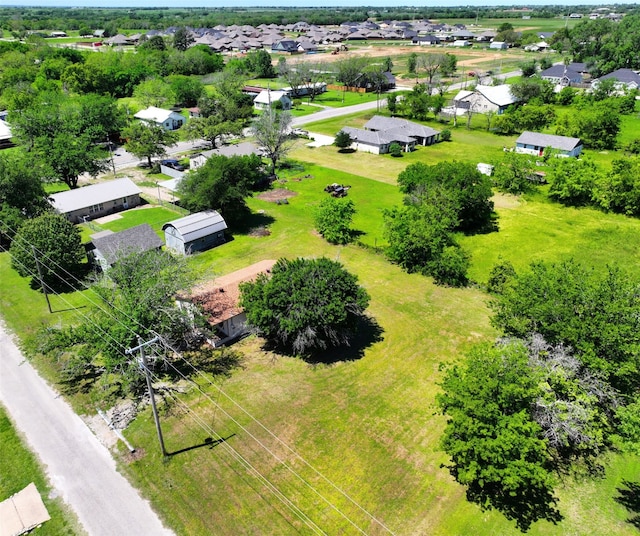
x=173 y=163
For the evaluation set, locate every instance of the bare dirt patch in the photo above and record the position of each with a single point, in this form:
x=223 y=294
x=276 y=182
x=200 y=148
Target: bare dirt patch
x=279 y=194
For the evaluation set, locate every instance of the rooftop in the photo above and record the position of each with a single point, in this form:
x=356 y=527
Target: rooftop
x=87 y=196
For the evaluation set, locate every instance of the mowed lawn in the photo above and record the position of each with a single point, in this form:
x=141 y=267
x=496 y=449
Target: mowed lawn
x=365 y=420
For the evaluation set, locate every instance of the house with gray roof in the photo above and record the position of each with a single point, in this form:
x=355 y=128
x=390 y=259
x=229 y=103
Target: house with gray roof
x=380 y=132
x=107 y=247
x=196 y=232
x=562 y=75
x=535 y=144
x=626 y=79
x=96 y=200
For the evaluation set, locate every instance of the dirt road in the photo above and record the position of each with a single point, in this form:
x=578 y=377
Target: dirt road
x=80 y=468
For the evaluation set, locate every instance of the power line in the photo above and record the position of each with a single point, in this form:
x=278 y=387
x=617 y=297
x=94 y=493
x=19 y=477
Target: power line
x=331 y=483
x=251 y=468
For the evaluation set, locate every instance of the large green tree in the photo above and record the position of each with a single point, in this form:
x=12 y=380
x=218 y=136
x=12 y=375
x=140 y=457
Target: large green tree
x=147 y=141
x=305 y=305
x=597 y=315
x=55 y=242
x=212 y=129
x=470 y=190
x=223 y=184
x=497 y=451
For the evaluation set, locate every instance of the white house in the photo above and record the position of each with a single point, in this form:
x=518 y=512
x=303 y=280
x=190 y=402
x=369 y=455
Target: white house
x=90 y=202
x=485 y=99
x=498 y=45
x=625 y=79
x=196 y=232
x=168 y=119
x=535 y=143
x=267 y=98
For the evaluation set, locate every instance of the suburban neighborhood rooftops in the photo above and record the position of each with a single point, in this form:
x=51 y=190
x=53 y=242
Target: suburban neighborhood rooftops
x=87 y=196
x=157 y=115
x=198 y=225
x=562 y=143
x=219 y=298
x=560 y=71
x=133 y=240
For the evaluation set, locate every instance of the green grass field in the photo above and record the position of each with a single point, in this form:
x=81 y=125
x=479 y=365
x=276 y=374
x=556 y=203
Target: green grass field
x=368 y=421
x=18 y=468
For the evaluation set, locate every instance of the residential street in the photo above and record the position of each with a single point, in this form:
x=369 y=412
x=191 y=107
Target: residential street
x=80 y=468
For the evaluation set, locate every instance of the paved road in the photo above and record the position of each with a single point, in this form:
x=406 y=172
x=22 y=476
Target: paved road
x=79 y=467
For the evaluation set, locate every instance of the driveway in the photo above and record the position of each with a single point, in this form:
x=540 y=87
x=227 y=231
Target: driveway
x=81 y=470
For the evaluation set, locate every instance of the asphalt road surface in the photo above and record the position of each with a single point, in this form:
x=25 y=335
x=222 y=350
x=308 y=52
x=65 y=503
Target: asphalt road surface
x=79 y=467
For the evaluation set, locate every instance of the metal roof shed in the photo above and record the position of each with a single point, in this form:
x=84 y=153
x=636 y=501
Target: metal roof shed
x=196 y=232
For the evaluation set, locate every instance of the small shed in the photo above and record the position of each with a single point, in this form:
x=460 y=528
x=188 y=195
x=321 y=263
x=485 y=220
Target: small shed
x=168 y=119
x=535 y=143
x=498 y=45
x=196 y=232
x=219 y=300
x=108 y=247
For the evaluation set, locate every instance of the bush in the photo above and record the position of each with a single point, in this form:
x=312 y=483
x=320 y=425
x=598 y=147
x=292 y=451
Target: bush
x=333 y=220
x=395 y=150
x=445 y=135
x=451 y=266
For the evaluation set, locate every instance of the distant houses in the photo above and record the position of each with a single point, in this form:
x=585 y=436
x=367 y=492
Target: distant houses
x=96 y=200
x=535 y=144
x=380 y=132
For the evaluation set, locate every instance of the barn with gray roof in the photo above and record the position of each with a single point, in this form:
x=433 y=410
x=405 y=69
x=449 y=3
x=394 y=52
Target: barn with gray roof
x=196 y=232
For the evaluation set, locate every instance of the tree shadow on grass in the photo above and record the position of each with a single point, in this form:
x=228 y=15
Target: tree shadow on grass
x=252 y=221
x=367 y=332
x=630 y=499
x=525 y=506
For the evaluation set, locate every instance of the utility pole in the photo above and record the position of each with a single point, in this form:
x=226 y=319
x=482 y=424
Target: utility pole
x=147 y=373
x=42 y=283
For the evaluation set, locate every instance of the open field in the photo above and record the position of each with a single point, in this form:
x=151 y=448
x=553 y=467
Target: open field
x=18 y=468
x=366 y=419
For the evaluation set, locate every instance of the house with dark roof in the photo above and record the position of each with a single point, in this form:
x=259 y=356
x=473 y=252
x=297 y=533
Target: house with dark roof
x=107 y=247
x=286 y=45
x=426 y=40
x=380 y=132
x=196 y=232
x=96 y=200
x=535 y=143
x=626 y=79
x=562 y=75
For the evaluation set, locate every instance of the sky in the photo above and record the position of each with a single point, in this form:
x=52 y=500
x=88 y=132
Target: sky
x=289 y=3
